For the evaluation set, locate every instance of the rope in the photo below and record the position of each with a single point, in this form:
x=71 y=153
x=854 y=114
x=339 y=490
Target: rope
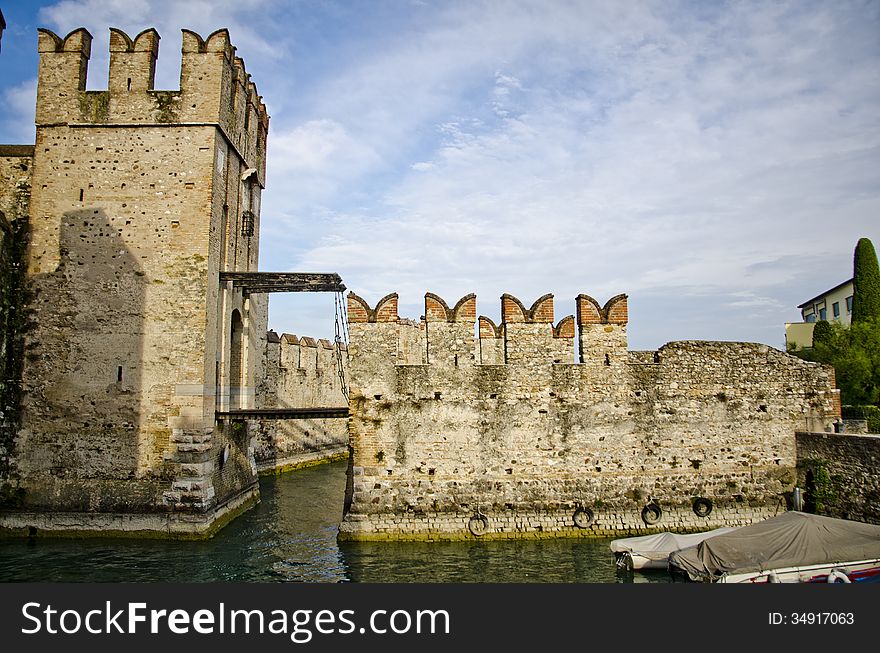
x=340 y=325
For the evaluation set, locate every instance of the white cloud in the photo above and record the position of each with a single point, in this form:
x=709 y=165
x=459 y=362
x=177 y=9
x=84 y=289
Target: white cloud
x=315 y=158
x=669 y=153
x=716 y=161
x=20 y=101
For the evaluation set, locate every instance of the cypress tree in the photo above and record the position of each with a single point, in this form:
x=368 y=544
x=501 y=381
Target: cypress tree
x=866 y=282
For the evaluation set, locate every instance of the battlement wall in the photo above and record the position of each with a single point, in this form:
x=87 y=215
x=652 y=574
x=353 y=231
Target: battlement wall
x=215 y=88
x=456 y=336
x=300 y=372
x=528 y=437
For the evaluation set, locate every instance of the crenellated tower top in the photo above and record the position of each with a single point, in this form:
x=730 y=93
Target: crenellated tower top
x=215 y=87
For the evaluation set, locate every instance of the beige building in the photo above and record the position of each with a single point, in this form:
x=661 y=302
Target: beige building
x=833 y=305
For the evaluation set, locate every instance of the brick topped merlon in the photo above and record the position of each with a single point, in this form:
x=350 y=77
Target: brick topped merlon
x=437 y=310
x=306 y=341
x=488 y=329
x=360 y=312
x=835 y=392
x=63 y=66
x=513 y=310
x=79 y=41
x=614 y=312
x=241 y=77
x=272 y=337
x=326 y=344
x=217 y=41
x=132 y=62
x=565 y=328
x=358 y=309
x=146 y=41
x=836 y=403
x=290 y=339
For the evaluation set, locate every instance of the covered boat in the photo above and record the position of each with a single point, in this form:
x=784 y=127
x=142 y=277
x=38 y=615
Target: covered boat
x=793 y=547
x=652 y=551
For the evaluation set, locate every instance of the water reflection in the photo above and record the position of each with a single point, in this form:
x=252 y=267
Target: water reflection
x=291 y=536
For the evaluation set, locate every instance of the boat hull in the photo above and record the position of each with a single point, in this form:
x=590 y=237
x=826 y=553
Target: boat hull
x=855 y=571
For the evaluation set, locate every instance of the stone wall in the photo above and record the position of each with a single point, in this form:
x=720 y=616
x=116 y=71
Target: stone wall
x=840 y=475
x=139 y=199
x=506 y=428
x=16 y=167
x=300 y=373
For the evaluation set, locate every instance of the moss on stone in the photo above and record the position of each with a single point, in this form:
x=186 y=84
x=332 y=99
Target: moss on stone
x=166 y=109
x=211 y=529
x=820 y=488
x=94 y=106
x=290 y=467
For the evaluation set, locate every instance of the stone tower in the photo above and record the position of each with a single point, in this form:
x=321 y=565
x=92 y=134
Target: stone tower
x=140 y=199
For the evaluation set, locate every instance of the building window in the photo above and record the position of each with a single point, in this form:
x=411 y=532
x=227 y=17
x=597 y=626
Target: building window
x=247 y=224
x=810 y=318
x=835 y=309
x=849 y=304
x=823 y=314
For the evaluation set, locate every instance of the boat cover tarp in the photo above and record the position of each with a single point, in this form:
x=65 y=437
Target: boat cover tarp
x=792 y=539
x=660 y=545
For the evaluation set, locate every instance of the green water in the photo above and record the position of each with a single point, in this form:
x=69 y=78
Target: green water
x=291 y=536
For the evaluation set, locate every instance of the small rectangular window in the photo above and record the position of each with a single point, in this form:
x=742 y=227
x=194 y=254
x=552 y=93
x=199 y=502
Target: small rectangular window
x=835 y=309
x=247 y=224
x=810 y=318
x=823 y=314
x=119 y=374
x=849 y=304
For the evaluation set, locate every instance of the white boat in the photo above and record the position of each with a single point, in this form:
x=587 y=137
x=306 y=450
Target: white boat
x=793 y=547
x=652 y=551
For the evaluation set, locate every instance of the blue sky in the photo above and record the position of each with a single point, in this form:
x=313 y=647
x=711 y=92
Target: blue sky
x=715 y=161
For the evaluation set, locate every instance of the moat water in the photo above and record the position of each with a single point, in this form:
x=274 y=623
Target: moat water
x=291 y=536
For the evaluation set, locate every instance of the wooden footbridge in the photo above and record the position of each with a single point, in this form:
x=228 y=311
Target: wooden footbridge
x=251 y=283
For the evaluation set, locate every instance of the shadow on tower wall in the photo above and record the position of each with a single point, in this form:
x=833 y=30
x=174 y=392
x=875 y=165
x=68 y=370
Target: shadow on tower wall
x=82 y=444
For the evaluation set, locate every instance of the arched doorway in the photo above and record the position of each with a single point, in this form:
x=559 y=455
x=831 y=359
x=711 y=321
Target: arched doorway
x=236 y=352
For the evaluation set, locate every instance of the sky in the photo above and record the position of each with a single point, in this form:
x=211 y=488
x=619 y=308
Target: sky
x=716 y=161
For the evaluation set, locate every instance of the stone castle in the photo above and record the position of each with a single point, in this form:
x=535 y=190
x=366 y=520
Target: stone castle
x=134 y=203
x=504 y=435
x=142 y=393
